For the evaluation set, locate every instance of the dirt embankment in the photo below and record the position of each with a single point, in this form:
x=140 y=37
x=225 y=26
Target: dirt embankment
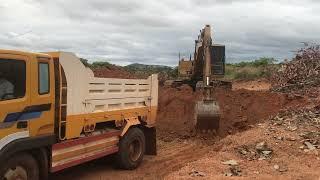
x=285 y=156
x=284 y=147
x=256 y=85
x=240 y=109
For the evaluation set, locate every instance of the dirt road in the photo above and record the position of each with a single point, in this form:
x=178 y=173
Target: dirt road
x=171 y=157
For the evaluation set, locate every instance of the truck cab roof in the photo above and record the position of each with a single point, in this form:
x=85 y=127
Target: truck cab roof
x=24 y=53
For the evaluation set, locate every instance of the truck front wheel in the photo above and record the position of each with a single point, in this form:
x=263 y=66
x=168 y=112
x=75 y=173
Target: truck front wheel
x=21 y=166
x=131 y=149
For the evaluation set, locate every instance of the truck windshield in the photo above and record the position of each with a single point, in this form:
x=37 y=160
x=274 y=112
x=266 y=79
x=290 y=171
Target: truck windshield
x=12 y=79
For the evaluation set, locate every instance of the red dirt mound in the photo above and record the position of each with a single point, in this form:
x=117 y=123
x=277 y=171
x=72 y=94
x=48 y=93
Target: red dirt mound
x=240 y=108
x=113 y=72
x=175 y=112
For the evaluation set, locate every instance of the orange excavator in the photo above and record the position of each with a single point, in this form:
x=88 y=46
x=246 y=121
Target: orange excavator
x=205 y=74
x=209 y=66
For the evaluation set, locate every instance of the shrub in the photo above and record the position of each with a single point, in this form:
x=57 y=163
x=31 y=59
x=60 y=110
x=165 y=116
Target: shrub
x=248 y=70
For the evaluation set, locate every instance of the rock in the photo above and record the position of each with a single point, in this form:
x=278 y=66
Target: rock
x=310 y=146
x=235 y=170
x=195 y=173
x=279 y=138
x=292 y=128
x=230 y=162
x=310 y=135
x=280 y=169
x=267 y=153
x=201 y=174
x=243 y=152
x=272 y=129
x=283 y=169
x=291 y=139
x=263 y=150
x=262 y=146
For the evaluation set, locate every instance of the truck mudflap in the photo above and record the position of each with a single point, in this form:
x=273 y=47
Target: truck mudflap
x=73 y=152
x=151 y=140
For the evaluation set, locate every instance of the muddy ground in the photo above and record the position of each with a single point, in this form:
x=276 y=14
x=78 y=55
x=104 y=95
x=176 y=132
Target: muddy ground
x=247 y=111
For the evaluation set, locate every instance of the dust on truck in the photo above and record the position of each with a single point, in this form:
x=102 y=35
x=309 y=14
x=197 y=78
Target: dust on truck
x=59 y=115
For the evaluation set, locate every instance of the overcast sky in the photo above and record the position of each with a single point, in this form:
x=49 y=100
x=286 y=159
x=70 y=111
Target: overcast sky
x=155 y=31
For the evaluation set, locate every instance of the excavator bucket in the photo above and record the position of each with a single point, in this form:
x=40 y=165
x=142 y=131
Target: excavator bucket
x=207 y=116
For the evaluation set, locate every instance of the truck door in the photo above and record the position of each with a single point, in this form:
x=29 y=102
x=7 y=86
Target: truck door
x=14 y=97
x=42 y=96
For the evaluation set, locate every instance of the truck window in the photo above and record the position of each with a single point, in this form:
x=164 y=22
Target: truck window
x=12 y=79
x=44 y=81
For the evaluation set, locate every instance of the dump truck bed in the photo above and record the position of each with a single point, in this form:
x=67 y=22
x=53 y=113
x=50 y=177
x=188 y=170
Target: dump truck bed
x=88 y=98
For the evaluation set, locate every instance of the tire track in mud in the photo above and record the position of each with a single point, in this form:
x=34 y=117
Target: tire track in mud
x=173 y=157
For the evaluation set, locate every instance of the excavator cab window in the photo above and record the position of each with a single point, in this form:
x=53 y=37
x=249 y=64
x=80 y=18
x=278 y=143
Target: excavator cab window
x=218 y=59
x=12 y=79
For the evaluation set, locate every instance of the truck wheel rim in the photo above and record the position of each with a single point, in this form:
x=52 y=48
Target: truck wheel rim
x=17 y=173
x=135 y=150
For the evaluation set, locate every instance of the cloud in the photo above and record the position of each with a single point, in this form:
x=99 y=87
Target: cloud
x=154 y=32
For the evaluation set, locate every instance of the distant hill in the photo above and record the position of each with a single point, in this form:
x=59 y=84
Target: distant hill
x=137 y=66
x=132 y=71
x=143 y=71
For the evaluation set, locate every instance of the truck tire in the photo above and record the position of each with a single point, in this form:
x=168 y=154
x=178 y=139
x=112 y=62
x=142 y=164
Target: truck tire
x=131 y=149
x=21 y=166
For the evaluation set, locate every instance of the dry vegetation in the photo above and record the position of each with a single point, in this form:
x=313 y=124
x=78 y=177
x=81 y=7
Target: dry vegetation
x=257 y=69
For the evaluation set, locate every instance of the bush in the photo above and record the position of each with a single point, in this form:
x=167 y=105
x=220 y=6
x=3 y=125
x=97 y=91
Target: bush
x=97 y=64
x=260 y=68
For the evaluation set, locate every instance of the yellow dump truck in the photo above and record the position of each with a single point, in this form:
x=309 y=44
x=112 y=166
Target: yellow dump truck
x=55 y=114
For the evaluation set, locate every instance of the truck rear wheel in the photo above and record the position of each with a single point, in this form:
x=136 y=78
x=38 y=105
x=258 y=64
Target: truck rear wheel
x=131 y=149
x=22 y=166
